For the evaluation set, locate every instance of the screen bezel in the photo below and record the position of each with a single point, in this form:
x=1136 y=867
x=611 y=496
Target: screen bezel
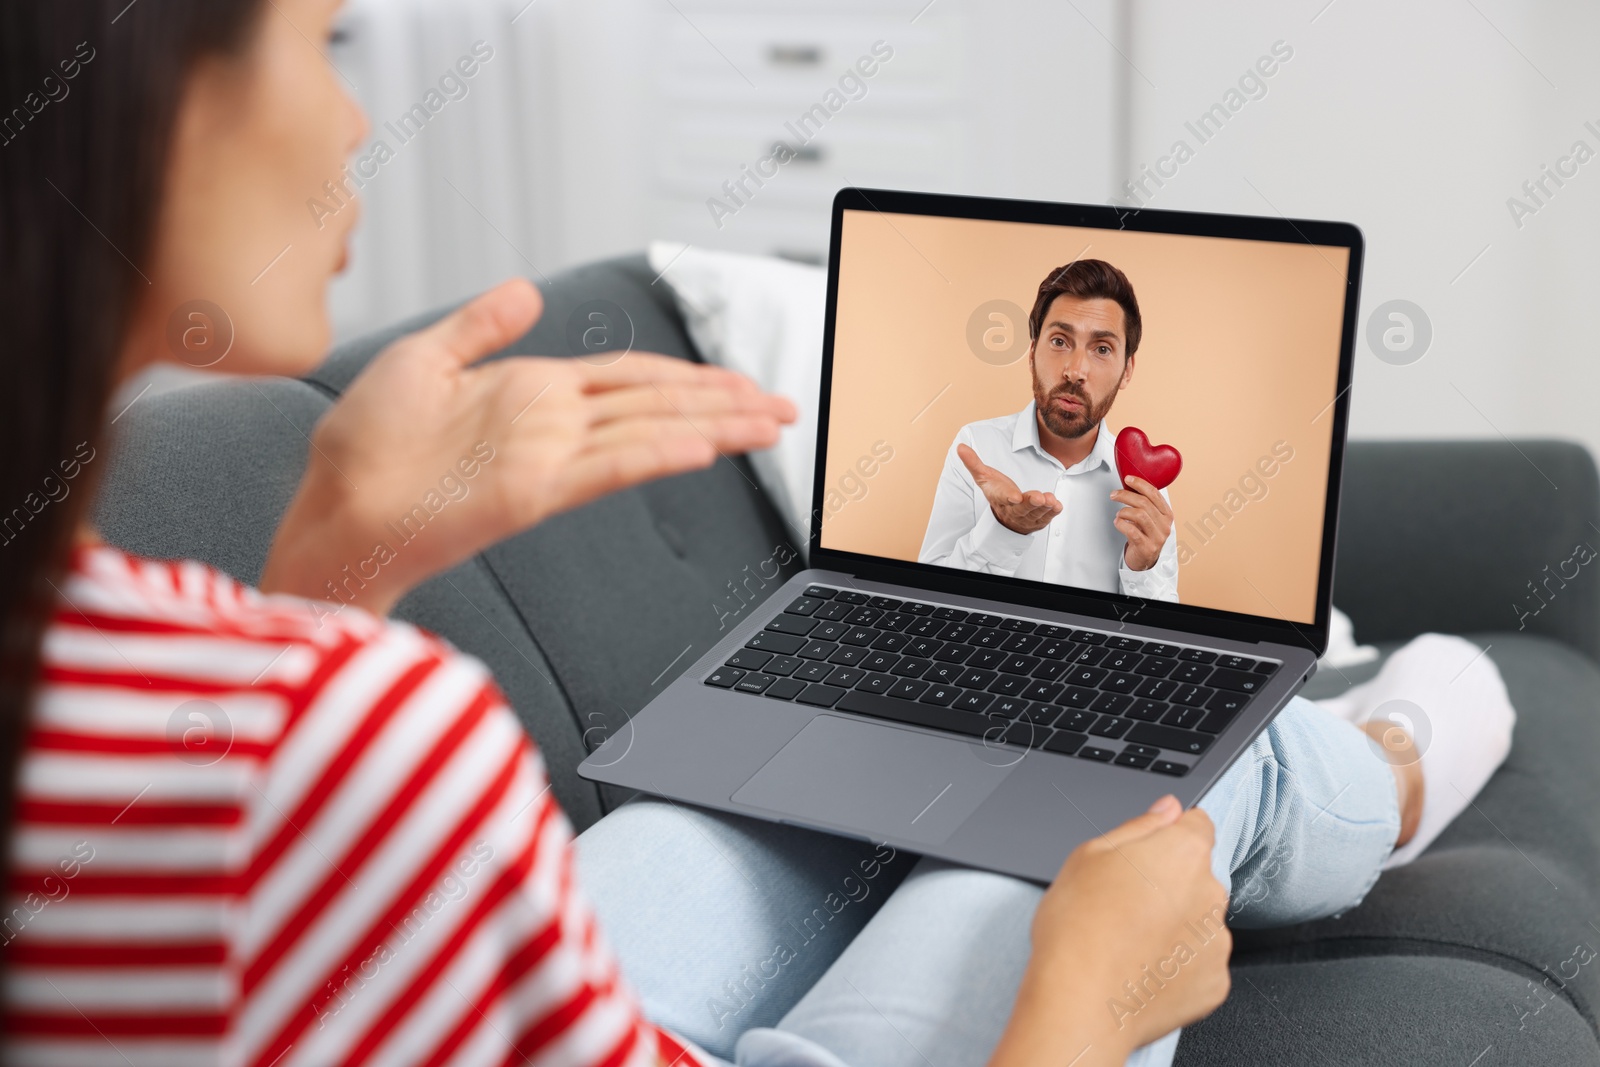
x=1113 y=607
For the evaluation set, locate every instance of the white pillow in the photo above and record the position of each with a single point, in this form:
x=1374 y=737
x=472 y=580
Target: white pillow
x=762 y=316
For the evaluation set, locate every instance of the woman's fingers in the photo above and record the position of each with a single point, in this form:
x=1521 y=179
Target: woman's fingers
x=725 y=432
x=624 y=463
x=687 y=399
x=486 y=323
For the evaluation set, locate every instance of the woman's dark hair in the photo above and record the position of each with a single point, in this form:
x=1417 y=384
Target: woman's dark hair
x=89 y=91
x=1086 y=278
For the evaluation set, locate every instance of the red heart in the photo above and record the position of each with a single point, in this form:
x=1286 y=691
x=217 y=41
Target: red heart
x=1157 y=464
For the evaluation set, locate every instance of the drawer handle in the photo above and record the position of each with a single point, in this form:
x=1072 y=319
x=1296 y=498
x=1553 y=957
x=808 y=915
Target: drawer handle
x=794 y=55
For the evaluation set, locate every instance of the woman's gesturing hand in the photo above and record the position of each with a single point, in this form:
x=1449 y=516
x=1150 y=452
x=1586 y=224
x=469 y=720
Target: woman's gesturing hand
x=428 y=459
x=1129 y=944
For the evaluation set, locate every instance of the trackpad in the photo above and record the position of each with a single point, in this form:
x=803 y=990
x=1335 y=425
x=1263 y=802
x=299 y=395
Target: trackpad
x=875 y=780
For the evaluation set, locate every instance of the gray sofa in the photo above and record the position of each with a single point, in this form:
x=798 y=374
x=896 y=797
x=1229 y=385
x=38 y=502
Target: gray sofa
x=1466 y=957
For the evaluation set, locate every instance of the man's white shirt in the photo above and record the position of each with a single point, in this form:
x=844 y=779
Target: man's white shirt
x=1080 y=547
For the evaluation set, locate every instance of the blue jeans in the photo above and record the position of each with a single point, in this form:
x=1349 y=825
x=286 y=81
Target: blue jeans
x=773 y=946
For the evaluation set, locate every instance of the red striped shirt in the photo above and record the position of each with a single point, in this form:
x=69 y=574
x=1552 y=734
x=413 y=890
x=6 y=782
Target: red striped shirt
x=253 y=832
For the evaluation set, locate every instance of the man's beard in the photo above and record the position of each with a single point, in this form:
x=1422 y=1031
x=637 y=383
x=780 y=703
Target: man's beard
x=1069 y=424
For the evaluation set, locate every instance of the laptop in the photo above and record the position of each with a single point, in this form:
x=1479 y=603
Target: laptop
x=1071 y=546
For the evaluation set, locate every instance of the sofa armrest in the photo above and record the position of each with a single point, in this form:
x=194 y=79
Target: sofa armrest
x=1470 y=537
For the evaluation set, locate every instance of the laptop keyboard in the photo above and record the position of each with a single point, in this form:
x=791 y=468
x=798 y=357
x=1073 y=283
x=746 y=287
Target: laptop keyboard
x=1092 y=694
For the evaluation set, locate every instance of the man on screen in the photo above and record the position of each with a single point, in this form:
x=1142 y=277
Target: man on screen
x=1037 y=494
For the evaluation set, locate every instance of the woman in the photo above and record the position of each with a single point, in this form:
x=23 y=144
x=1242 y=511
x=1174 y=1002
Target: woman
x=373 y=870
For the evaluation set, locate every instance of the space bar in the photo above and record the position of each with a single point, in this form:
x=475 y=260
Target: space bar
x=908 y=711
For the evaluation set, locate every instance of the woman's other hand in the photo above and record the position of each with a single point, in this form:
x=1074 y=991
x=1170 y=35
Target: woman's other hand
x=428 y=459
x=1128 y=944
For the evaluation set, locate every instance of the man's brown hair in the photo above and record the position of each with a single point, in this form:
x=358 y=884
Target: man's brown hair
x=1085 y=278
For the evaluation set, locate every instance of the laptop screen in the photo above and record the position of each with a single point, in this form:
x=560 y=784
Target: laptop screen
x=1105 y=410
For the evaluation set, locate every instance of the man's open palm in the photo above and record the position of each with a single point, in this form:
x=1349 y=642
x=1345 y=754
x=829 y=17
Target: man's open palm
x=1023 y=512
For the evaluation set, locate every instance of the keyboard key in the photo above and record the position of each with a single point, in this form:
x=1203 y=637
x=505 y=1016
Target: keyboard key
x=1099 y=755
x=1048 y=671
x=1042 y=714
x=879 y=661
x=1089 y=655
x=911 y=667
x=1126 y=644
x=1147 y=710
x=813 y=671
x=846 y=677
x=1120 y=683
x=972 y=678
x=792 y=624
x=1078 y=721
x=1121 y=661
x=1216 y=721
x=1077 y=697
x=942 y=695
x=1197 y=655
x=782 y=644
x=912 y=607
x=1021 y=643
x=1111 y=726
x=954 y=653
x=863 y=616
x=1237 y=680
x=980 y=619
x=896 y=621
x=1046 y=691
x=822 y=696
x=1265 y=667
x=1052 y=633
x=1111 y=703
x=1026 y=734
x=784 y=666
x=818 y=650
x=1055 y=649
x=973 y=701
x=1088 y=637
x=928 y=627
x=1145 y=733
x=1129 y=759
x=891 y=642
x=1195 y=695
x=859 y=635
x=944 y=673
x=754 y=682
x=986 y=659
x=1228 y=702
x=1157 y=688
x=747 y=659
x=923 y=647
x=785 y=689
x=1015 y=664
x=885 y=603
x=908 y=689
x=1010 y=707
x=804 y=605
x=1088 y=676
x=1237 y=663
x=989 y=637
x=1018 y=626
x=950 y=614
x=725 y=677
x=820 y=592
x=948 y=719
x=1192 y=673
x=830 y=631
x=1156 y=666
x=1153 y=649
x=852 y=596
x=832 y=611
x=1065 y=742
x=876 y=683
x=1177 y=770
x=1185 y=718
x=1141 y=750
x=1009 y=685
